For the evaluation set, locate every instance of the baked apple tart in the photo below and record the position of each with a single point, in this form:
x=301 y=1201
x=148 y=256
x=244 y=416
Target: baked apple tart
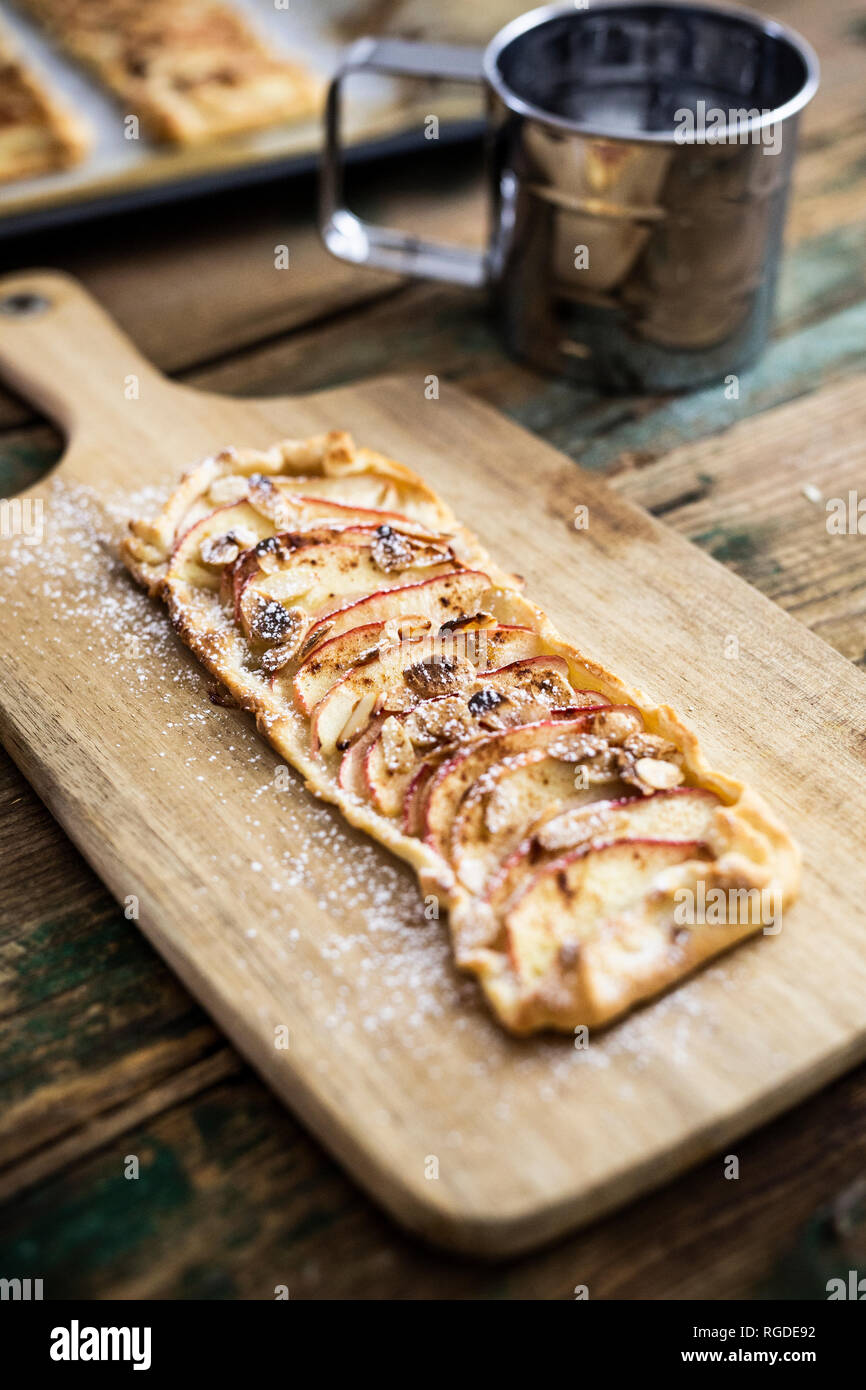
x=192 y=70
x=37 y=134
x=573 y=832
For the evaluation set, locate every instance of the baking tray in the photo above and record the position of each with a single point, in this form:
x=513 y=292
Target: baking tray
x=381 y=117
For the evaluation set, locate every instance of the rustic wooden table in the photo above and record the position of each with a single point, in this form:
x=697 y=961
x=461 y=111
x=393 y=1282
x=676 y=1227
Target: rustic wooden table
x=103 y=1053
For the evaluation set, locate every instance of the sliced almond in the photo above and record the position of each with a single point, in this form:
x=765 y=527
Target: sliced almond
x=272 y=622
x=404 y=627
x=394 y=550
x=269 y=555
x=439 y=674
x=616 y=724
x=443 y=720
x=275 y=658
x=658 y=774
x=223 y=550
x=644 y=745
x=396 y=699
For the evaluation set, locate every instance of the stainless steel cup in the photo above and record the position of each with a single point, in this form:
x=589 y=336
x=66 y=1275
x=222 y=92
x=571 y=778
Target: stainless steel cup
x=639 y=157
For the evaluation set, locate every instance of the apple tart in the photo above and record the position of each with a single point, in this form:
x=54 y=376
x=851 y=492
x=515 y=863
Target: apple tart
x=193 y=70
x=37 y=134
x=573 y=832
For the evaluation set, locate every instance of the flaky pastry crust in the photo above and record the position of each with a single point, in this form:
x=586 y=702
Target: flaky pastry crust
x=535 y=972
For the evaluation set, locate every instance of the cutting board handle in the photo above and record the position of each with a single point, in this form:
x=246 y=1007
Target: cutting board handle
x=63 y=353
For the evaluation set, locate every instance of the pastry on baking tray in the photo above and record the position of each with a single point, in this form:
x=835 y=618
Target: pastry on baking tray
x=574 y=833
x=37 y=135
x=192 y=70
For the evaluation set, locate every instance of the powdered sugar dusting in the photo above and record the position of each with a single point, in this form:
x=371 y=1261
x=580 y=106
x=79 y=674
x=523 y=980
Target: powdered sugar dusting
x=384 y=970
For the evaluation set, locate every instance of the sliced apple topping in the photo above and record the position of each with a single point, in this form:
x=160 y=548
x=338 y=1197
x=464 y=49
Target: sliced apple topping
x=329 y=662
x=262 y=511
x=351 y=775
x=434 y=600
x=390 y=765
x=406 y=673
x=365 y=491
x=222 y=550
x=426 y=733
x=583 y=897
x=416 y=795
x=287 y=505
x=684 y=813
x=325 y=570
x=434 y=728
x=215 y=541
x=498 y=809
x=454 y=778
x=553 y=763
x=522 y=692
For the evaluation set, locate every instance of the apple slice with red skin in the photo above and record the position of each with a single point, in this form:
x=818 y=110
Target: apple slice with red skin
x=252 y=524
x=289 y=510
x=680 y=813
x=495 y=812
x=387 y=787
x=576 y=900
x=332 y=715
x=453 y=779
x=319 y=572
x=239 y=520
x=531 y=679
x=409 y=501
x=416 y=794
x=278 y=553
x=320 y=671
x=356 y=772
x=441 y=599
x=411 y=610
x=351 y=773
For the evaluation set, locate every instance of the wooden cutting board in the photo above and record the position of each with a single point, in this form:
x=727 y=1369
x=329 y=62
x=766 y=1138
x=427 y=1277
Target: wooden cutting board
x=308 y=943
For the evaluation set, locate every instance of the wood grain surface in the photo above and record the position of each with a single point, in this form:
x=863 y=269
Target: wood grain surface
x=101 y=1047
x=279 y=919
